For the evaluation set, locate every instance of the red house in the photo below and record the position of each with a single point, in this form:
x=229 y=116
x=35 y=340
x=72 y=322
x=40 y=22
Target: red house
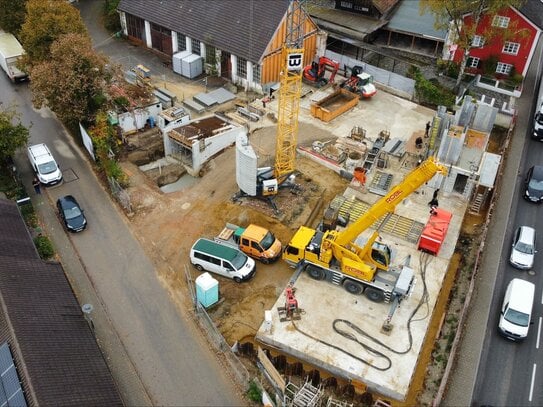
x=511 y=54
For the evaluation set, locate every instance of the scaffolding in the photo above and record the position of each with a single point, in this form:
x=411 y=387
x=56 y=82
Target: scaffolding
x=309 y=396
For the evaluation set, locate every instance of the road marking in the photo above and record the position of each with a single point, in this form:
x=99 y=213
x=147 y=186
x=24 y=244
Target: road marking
x=541 y=297
x=532 y=384
x=538 y=334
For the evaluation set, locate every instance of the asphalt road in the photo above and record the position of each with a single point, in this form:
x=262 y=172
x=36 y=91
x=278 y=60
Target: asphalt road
x=510 y=373
x=156 y=354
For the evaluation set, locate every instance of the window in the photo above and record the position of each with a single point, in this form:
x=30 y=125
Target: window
x=210 y=55
x=181 y=42
x=478 y=41
x=256 y=73
x=503 y=68
x=202 y=256
x=500 y=21
x=473 y=62
x=242 y=68
x=195 y=46
x=511 y=48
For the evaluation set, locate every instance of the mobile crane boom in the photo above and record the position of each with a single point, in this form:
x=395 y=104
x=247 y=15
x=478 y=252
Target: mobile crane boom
x=334 y=255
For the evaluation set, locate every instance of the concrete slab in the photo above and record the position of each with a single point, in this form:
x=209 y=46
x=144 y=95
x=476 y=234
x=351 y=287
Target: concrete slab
x=384 y=362
x=221 y=95
x=205 y=99
x=193 y=105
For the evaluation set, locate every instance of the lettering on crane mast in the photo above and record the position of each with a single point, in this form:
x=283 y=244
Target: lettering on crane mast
x=295 y=61
x=393 y=196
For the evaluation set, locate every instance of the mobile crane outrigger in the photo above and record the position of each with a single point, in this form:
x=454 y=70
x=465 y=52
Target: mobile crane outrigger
x=333 y=255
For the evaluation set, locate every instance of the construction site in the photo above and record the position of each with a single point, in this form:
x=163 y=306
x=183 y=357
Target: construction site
x=367 y=193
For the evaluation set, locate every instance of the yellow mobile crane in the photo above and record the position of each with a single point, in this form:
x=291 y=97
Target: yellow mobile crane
x=333 y=255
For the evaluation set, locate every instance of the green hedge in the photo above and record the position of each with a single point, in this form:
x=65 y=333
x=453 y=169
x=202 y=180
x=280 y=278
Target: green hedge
x=44 y=247
x=429 y=92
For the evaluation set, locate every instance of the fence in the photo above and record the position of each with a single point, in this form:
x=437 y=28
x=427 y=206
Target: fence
x=205 y=322
x=120 y=194
x=395 y=83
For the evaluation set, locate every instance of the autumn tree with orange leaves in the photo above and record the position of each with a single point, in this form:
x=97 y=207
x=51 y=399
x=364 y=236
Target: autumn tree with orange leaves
x=72 y=81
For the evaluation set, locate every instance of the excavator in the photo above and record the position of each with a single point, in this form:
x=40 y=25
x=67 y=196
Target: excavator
x=360 y=83
x=314 y=73
x=335 y=255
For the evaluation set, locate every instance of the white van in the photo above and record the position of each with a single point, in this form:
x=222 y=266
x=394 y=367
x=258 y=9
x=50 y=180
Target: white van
x=44 y=165
x=516 y=311
x=224 y=260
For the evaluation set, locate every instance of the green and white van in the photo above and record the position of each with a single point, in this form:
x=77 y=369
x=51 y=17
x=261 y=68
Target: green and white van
x=220 y=259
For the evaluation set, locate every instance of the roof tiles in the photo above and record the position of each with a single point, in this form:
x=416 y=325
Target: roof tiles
x=241 y=27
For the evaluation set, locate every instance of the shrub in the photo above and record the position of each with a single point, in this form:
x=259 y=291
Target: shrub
x=254 y=393
x=431 y=93
x=111 y=16
x=29 y=215
x=44 y=247
x=489 y=65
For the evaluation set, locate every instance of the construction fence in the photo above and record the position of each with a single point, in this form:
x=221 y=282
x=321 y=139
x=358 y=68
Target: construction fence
x=394 y=83
x=216 y=339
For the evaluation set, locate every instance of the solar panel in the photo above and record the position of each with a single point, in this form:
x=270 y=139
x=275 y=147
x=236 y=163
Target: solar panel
x=11 y=393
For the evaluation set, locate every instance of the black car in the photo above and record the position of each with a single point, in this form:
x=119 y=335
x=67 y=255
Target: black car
x=534 y=184
x=71 y=214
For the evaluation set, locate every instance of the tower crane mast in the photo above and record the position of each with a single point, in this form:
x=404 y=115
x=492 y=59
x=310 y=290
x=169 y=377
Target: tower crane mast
x=290 y=91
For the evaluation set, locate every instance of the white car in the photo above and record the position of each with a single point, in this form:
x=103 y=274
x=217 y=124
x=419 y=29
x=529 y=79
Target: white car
x=516 y=312
x=523 y=248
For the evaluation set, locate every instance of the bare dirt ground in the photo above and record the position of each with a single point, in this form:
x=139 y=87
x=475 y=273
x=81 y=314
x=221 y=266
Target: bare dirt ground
x=168 y=224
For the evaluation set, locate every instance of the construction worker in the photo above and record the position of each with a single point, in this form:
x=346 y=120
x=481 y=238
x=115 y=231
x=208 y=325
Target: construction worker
x=36 y=185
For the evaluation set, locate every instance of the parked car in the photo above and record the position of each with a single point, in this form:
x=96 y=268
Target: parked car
x=533 y=184
x=537 y=132
x=221 y=259
x=523 y=248
x=71 y=214
x=44 y=165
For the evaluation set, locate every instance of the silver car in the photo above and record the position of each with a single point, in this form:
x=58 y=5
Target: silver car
x=523 y=248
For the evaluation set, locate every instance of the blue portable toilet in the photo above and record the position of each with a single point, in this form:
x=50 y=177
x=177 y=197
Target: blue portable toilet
x=207 y=290
x=151 y=121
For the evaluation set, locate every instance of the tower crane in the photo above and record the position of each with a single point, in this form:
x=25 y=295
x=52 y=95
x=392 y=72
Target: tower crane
x=289 y=92
x=269 y=179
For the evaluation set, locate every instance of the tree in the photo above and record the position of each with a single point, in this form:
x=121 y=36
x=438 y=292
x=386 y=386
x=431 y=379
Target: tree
x=13 y=134
x=111 y=15
x=449 y=14
x=46 y=21
x=71 y=82
x=12 y=15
